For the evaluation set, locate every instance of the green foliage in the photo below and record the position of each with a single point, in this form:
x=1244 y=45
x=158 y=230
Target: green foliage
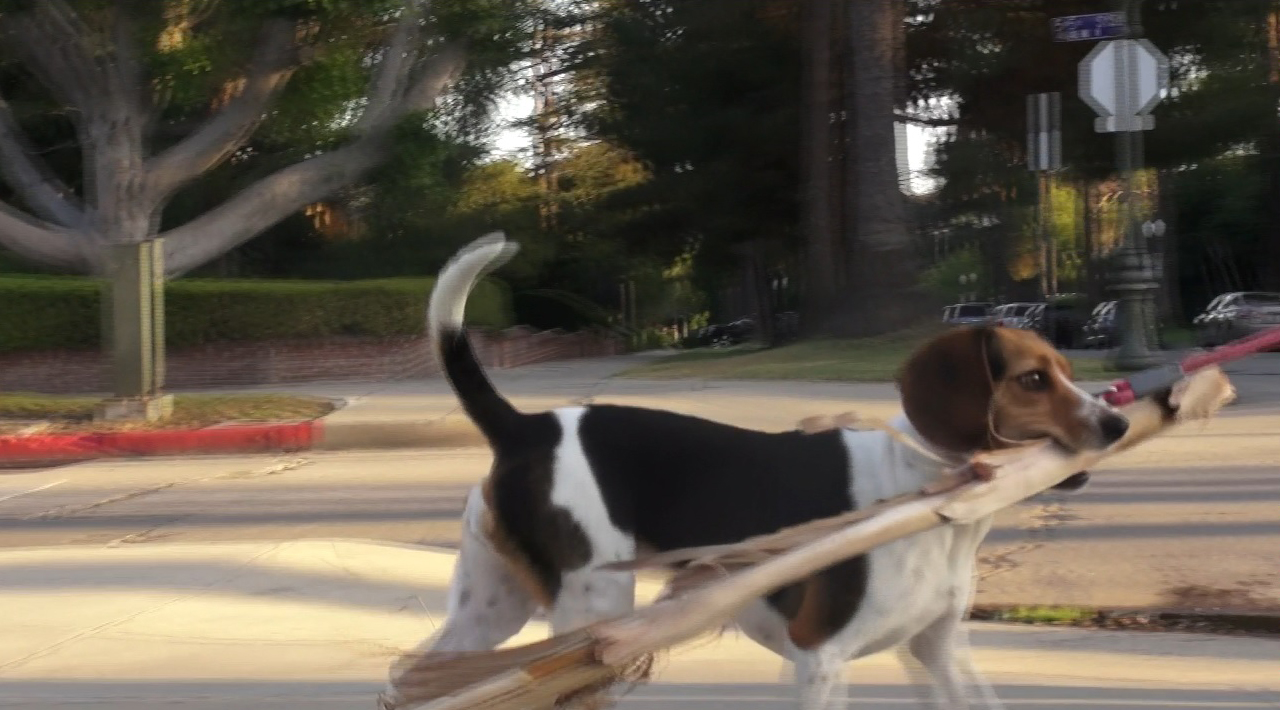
x=981 y=59
x=43 y=313
x=943 y=278
x=706 y=95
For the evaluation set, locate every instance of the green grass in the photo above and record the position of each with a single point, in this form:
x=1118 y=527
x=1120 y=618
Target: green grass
x=841 y=360
x=1045 y=614
x=1178 y=337
x=189 y=410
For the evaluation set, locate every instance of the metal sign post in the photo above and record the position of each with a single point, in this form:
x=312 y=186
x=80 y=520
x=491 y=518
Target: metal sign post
x=1123 y=80
x=1044 y=156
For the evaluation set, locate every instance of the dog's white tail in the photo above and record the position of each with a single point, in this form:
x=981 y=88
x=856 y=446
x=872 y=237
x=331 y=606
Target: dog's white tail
x=445 y=314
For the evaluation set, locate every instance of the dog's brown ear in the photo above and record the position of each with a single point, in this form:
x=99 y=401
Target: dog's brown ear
x=946 y=387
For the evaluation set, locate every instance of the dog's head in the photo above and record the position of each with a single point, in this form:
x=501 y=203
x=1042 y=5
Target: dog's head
x=978 y=388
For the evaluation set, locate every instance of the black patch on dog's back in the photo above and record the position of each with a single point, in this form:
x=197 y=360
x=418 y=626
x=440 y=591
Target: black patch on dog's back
x=677 y=481
x=523 y=472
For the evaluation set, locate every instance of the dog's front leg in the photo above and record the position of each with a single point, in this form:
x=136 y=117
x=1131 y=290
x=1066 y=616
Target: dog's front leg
x=820 y=680
x=942 y=648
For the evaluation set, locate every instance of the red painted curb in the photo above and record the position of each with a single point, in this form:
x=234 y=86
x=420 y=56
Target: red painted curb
x=240 y=438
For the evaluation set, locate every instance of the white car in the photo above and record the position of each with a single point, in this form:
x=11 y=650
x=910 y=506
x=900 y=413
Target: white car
x=1013 y=315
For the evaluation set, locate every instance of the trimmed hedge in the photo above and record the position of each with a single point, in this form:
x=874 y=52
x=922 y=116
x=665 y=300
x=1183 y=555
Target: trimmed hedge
x=61 y=312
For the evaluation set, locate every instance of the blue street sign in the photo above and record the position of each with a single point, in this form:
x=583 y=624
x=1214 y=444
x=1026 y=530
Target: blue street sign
x=1100 y=25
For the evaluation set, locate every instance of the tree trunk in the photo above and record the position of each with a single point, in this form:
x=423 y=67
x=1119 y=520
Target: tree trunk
x=820 y=235
x=761 y=286
x=1269 y=259
x=883 y=270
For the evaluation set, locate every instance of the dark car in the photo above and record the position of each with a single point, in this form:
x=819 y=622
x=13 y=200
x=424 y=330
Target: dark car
x=1100 y=330
x=723 y=335
x=1060 y=320
x=1236 y=315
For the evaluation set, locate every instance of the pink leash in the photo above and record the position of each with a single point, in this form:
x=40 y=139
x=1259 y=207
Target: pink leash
x=1140 y=384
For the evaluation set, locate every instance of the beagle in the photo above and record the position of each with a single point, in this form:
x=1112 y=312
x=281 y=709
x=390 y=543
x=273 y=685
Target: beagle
x=579 y=487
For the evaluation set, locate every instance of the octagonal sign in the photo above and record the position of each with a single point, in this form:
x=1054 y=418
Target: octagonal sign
x=1124 y=78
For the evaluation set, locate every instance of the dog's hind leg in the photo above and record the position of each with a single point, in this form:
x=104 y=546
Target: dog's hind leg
x=487 y=604
x=588 y=596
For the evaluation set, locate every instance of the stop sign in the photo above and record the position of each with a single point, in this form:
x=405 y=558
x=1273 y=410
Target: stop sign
x=1124 y=78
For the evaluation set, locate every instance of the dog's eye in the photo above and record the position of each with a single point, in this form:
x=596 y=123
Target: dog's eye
x=1035 y=381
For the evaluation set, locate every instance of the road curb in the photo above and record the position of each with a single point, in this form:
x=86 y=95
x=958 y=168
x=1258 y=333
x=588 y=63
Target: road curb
x=319 y=435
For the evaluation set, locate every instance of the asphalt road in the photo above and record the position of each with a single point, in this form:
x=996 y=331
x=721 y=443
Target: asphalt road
x=1159 y=529
x=1193 y=523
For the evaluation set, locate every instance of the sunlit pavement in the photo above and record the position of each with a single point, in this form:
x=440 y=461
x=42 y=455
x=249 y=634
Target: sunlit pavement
x=227 y=582
x=317 y=622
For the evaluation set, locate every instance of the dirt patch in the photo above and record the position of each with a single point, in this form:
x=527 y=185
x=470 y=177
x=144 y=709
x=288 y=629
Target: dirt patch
x=1204 y=598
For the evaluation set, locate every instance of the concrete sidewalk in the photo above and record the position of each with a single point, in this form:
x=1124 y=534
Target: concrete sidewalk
x=285 y=625
x=425 y=413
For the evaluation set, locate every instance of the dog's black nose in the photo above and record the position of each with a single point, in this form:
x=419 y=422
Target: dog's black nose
x=1113 y=427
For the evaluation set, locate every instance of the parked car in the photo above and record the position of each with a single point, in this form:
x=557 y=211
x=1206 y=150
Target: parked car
x=1013 y=315
x=1100 y=330
x=966 y=313
x=1236 y=315
x=1060 y=320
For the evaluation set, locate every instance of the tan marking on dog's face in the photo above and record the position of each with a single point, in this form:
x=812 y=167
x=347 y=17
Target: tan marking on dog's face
x=980 y=388
x=1036 y=397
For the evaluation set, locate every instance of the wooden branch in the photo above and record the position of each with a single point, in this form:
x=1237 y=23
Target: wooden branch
x=31 y=178
x=519 y=678
x=274 y=62
x=42 y=242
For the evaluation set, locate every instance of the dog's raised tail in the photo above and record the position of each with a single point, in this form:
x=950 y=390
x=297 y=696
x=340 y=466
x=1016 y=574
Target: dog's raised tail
x=489 y=410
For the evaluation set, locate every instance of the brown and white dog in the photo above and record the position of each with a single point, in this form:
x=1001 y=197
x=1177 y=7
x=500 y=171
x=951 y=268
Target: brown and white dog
x=578 y=487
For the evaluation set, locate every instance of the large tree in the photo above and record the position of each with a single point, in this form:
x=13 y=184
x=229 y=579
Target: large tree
x=883 y=269
x=706 y=95
x=156 y=94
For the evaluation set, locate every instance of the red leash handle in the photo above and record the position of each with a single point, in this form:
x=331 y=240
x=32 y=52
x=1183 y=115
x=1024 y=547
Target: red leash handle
x=1141 y=384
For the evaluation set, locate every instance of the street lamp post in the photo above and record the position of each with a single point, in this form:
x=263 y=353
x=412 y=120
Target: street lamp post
x=1134 y=280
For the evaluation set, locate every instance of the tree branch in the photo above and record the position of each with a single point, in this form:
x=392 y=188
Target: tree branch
x=288 y=190
x=127 y=70
x=42 y=242
x=266 y=202
x=273 y=63
x=54 y=43
x=397 y=58
x=34 y=182
x=933 y=122
x=436 y=75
